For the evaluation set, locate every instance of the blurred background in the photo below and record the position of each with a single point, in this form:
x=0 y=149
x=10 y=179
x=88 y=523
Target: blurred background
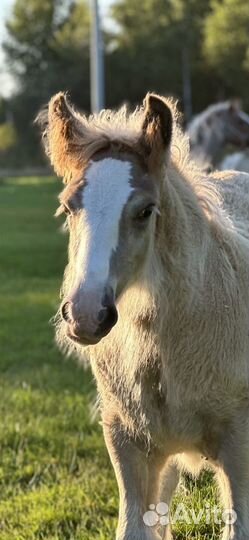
x=56 y=481
x=195 y=50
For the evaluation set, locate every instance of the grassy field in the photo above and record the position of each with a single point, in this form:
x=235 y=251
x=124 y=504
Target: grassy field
x=56 y=482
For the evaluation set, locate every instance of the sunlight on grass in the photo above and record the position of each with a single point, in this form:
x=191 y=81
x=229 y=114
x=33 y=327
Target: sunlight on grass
x=29 y=180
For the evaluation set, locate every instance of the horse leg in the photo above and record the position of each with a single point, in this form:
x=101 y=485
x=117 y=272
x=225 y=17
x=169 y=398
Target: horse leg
x=131 y=466
x=224 y=488
x=170 y=480
x=156 y=464
x=233 y=479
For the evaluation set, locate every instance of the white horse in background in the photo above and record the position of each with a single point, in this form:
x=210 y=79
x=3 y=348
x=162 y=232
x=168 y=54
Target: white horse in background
x=218 y=126
x=238 y=161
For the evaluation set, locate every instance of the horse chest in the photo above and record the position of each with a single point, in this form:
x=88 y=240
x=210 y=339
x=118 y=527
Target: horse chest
x=157 y=398
x=149 y=410
x=135 y=393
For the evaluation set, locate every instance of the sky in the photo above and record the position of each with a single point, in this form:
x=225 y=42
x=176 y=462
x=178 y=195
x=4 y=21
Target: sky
x=6 y=81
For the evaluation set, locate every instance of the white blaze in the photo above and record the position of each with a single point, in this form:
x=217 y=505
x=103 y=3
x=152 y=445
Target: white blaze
x=104 y=196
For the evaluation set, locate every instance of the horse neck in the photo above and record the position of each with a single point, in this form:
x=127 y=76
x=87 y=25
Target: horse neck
x=183 y=235
x=214 y=143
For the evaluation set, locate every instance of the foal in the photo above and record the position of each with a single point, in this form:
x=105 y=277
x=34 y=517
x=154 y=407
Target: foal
x=156 y=293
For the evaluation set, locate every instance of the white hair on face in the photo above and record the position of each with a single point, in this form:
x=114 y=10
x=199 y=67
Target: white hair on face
x=106 y=192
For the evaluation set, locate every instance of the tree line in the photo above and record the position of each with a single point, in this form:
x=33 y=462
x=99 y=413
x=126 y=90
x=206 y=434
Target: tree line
x=196 y=50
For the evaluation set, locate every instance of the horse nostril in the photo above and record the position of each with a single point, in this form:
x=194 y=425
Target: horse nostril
x=107 y=318
x=66 y=312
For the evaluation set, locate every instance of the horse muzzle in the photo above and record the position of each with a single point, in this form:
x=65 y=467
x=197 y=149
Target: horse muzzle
x=87 y=318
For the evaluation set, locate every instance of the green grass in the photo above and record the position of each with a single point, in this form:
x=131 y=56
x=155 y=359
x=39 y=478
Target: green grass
x=56 y=482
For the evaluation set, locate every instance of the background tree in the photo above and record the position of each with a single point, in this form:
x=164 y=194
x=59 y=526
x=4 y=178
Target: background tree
x=47 y=50
x=226 y=46
x=151 y=48
x=8 y=137
x=197 y=51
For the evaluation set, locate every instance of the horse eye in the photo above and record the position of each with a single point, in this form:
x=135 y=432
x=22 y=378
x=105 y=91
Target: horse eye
x=145 y=213
x=66 y=210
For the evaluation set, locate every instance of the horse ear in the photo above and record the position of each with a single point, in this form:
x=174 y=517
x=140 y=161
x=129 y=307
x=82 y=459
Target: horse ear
x=157 y=126
x=235 y=105
x=62 y=133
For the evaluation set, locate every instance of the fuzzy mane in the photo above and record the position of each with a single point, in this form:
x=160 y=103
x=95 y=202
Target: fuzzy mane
x=121 y=128
x=71 y=138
